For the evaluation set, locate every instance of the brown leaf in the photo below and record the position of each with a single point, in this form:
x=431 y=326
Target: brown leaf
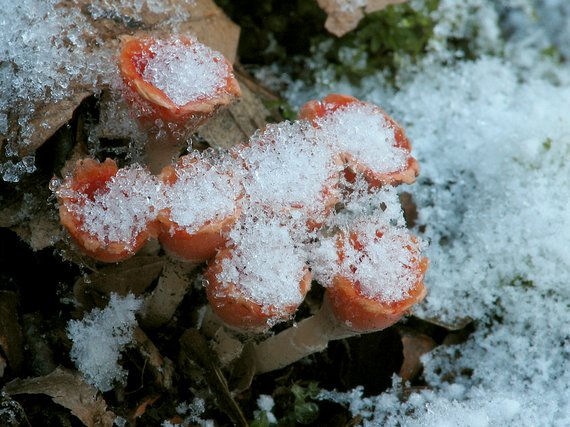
x=194 y=347
x=46 y=119
x=40 y=231
x=11 y=342
x=344 y=16
x=415 y=345
x=200 y=18
x=236 y=123
x=147 y=401
x=133 y=275
x=161 y=367
x=161 y=304
x=410 y=209
x=68 y=389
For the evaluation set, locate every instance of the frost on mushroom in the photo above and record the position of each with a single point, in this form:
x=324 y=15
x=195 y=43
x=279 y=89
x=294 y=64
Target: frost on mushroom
x=173 y=86
x=109 y=212
x=99 y=338
x=261 y=278
x=290 y=170
x=372 y=268
x=369 y=141
x=201 y=204
x=185 y=73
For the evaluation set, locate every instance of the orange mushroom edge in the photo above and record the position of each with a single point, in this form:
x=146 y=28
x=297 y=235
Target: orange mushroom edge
x=164 y=95
x=356 y=308
x=91 y=203
x=351 y=146
x=239 y=311
x=202 y=205
x=260 y=278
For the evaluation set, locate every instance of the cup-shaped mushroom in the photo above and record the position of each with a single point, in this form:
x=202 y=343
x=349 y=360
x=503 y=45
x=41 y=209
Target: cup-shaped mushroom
x=291 y=171
x=374 y=276
x=201 y=194
x=177 y=82
x=369 y=141
x=260 y=279
x=109 y=212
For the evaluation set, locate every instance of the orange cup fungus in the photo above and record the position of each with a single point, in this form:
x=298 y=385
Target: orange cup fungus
x=201 y=207
x=291 y=172
x=109 y=212
x=378 y=278
x=178 y=81
x=260 y=279
x=370 y=142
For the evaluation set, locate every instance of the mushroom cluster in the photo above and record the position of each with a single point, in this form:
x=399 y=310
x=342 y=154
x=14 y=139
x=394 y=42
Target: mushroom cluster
x=307 y=200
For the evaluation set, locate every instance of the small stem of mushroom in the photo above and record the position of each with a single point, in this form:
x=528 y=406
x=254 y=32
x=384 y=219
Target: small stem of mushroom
x=160 y=153
x=309 y=336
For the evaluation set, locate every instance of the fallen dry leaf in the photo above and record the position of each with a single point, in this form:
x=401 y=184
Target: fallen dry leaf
x=415 y=345
x=133 y=275
x=161 y=367
x=199 y=18
x=68 y=389
x=236 y=123
x=146 y=402
x=344 y=15
x=195 y=349
x=172 y=286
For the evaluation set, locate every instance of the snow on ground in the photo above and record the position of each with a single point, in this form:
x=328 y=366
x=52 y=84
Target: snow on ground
x=493 y=140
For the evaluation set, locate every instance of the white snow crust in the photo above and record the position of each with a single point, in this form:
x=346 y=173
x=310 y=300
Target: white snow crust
x=492 y=136
x=266 y=264
x=363 y=132
x=205 y=191
x=122 y=209
x=185 y=73
x=99 y=338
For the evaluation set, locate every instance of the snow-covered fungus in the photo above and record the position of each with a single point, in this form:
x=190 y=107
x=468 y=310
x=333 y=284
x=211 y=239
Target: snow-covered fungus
x=290 y=171
x=109 y=212
x=177 y=81
x=369 y=141
x=201 y=195
x=376 y=276
x=260 y=278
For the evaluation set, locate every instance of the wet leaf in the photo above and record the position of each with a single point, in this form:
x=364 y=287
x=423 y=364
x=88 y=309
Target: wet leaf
x=195 y=348
x=162 y=368
x=236 y=123
x=415 y=345
x=343 y=17
x=145 y=403
x=200 y=18
x=133 y=275
x=68 y=389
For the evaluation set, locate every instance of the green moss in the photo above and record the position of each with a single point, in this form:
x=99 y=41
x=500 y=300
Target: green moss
x=382 y=40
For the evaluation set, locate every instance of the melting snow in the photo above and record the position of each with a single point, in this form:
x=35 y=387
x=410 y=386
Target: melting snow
x=185 y=73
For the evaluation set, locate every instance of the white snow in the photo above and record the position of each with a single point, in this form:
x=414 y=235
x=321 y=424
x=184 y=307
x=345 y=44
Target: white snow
x=205 y=190
x=364 y=133
x=267 y=265
x=99 y=338
x=120 y=210
x=492 y=137
x=288 y=166
x=185 y=73
x=381 y=260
